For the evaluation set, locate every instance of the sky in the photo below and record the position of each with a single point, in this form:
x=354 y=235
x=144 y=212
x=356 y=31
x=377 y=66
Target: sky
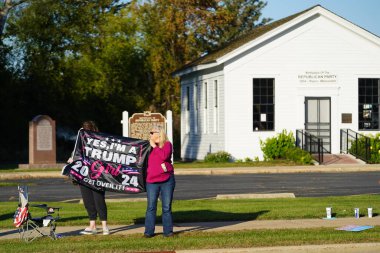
x=364 y=13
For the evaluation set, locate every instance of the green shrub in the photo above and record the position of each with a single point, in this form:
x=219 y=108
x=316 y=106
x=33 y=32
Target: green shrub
x=358 y=148
x=245 y=160
x=275 y=147
x=248 y=160
x=218 y=157
x=298 y=155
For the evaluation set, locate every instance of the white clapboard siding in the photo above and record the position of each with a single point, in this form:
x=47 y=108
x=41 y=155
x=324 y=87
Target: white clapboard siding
x=316 y=41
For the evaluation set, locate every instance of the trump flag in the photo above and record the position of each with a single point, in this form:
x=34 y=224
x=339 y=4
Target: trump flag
x=108 y=162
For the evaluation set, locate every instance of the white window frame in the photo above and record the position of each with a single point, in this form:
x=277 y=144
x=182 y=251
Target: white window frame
x=205 y=107
x=196 y=107
x=216 y=106
x=187 y=109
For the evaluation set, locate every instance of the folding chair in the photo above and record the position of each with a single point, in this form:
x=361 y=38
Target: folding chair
x=30 y=228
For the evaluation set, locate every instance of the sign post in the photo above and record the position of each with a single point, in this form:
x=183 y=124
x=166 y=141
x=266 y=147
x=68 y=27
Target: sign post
x=140 y=124
x=125 y=123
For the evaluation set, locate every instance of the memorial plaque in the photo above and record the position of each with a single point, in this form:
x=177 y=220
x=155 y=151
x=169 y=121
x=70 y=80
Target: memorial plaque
x=346 y=117
x=42 y=141
x=140 y=124
x=44 y=135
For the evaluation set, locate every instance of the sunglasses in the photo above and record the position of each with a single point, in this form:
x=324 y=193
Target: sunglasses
x=153 y=132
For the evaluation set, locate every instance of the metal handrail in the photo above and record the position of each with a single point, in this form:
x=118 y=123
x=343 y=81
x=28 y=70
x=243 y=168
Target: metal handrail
x=355 y=144
x=311 y=144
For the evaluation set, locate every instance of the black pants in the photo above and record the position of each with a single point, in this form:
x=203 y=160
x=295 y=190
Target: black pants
x=94 y=202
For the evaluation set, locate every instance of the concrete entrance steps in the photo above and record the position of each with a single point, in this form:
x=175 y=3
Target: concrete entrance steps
x=329 y=159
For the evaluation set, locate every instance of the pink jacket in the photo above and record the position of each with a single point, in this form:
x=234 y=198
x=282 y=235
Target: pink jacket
x=156 y=171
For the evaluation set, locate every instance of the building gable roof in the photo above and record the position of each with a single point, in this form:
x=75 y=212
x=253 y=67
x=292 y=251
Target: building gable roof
x=214 y=57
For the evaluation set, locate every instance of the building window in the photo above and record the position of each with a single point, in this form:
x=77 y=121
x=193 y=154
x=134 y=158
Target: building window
x=216 y=93
x=216 y=113
x=187 y=112
x=205 y=114
x=196 y=105
x=263 y=104
x=369 y=103
x=187 y=98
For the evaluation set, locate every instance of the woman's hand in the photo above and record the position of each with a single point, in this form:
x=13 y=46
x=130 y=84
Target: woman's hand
x=70 y=160
x=152 y=143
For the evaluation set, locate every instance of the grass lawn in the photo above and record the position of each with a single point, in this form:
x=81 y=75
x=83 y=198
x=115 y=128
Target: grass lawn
x=202 y=210
x=193 y=240
x=8 y=184
x=211 y=210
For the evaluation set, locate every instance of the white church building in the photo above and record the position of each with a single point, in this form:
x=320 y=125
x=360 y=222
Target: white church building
x=314 y=71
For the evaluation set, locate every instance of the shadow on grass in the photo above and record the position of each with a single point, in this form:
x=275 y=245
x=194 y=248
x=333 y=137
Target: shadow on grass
x=9 y=232
x=366 y=215
x=10 y=166
x=207 y=216
x=205 y=219
x=7 y=216
x=184 y=221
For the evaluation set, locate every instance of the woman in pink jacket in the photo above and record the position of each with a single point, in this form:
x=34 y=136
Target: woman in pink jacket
x=160 y=179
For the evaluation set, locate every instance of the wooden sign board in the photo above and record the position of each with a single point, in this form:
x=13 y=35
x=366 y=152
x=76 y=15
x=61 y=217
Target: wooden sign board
x=140 y=124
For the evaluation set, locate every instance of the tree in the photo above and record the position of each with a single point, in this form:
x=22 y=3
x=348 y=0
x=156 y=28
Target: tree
x=78 y=50
x=75 y=60
x=177 y=31
x=174 y=32
x=5 y=7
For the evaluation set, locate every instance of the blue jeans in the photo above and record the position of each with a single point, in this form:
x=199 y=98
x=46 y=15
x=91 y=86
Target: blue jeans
x=153 y=191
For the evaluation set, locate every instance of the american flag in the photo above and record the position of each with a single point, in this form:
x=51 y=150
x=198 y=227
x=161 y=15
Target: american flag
x=129 y=171
x=21 y=215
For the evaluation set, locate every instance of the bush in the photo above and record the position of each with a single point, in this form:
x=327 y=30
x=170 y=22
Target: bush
x=298 y=155
x=248 y=160
x=245 y=160
x=275 y=147
x=369 y=150
x=218 y=157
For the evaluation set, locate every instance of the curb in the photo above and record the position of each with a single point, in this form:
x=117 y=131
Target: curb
x=327 y=248
x=256 y=196
x=222 y=171
x=279 y=169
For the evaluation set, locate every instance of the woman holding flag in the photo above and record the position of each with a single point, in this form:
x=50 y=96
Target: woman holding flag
x=160 y=180
x=94 y=201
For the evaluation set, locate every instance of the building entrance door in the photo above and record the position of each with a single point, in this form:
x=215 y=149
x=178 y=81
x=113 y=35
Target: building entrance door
x=318 y=119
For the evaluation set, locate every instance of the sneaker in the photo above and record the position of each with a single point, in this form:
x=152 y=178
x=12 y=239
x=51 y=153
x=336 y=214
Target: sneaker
x=169 y=235
x=88 y=231
x=106 y=231
x=148 y=236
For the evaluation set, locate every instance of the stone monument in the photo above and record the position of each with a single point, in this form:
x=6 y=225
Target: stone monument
x=42 y=141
